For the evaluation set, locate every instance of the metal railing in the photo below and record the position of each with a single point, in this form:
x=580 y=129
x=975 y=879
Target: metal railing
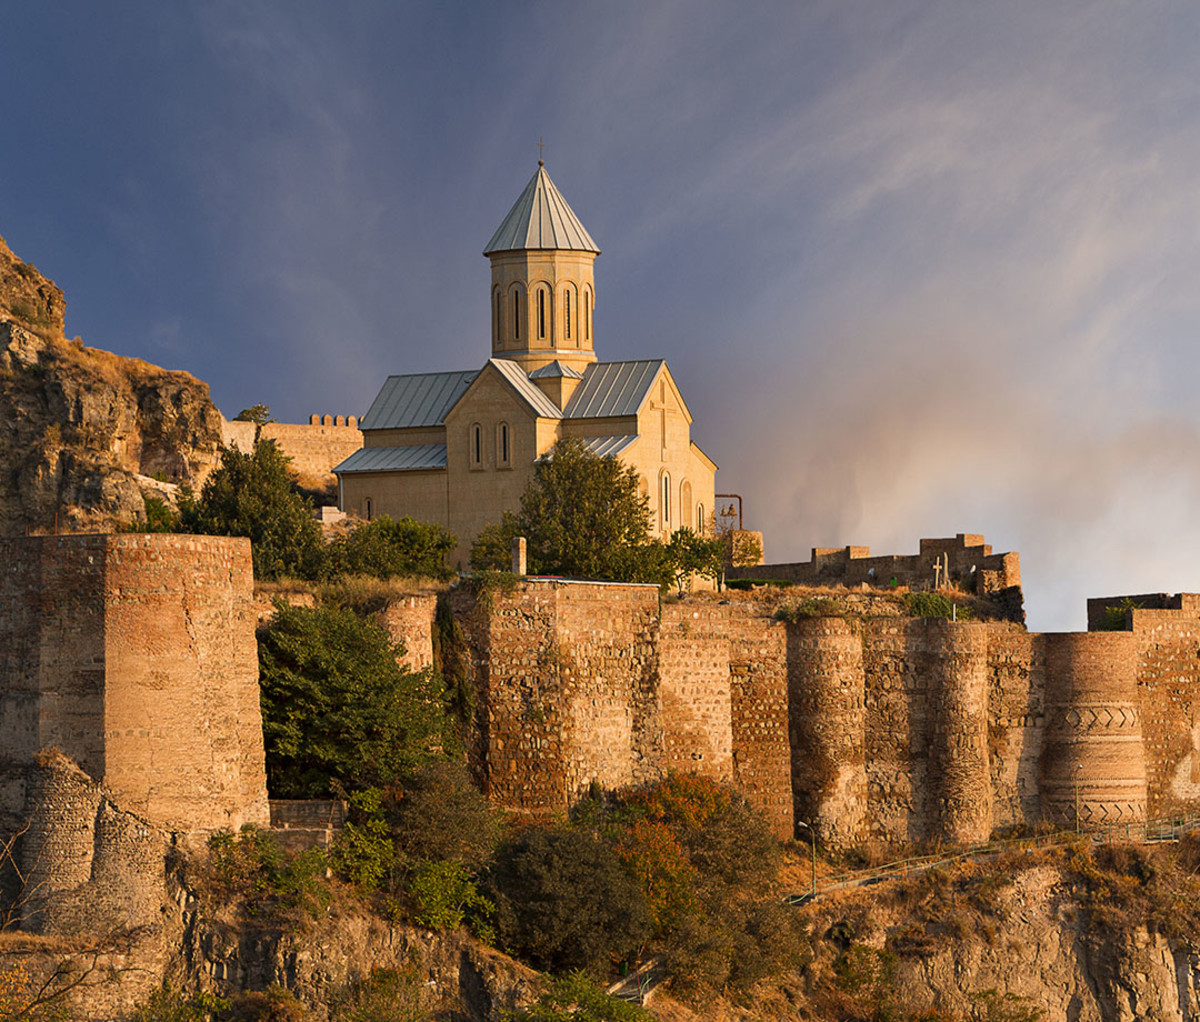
x=1146 y=832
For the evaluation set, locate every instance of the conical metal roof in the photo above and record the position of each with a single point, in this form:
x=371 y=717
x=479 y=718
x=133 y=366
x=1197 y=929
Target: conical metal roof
x=541 y=218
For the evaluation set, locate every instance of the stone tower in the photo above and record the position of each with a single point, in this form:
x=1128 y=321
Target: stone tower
x=543 y=290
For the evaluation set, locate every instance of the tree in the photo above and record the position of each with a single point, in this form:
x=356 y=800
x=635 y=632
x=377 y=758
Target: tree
x=439 y=814
x=583 y=516
x=251 y=495
x=337 y=707
x=259 y=414
x=391 y=548
x=563 y=901
x=689 y=554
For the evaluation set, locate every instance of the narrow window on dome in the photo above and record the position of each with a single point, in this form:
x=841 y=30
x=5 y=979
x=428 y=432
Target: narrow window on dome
x=541 y=313
x=499 y=320
x=587 y=315
x=567 y=314
x=516 y=315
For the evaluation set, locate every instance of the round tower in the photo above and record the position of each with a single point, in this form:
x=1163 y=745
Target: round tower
x=543 y=288
x=1093 y=760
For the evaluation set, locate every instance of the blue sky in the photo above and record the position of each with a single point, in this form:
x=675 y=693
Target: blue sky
x=919 y=268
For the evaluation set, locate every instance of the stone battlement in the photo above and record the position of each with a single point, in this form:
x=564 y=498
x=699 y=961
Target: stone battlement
x=972 y=565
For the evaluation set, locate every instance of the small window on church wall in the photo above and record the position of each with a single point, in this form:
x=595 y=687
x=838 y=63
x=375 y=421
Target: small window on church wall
x=498 y=319
x=567 y=314
x=476 y=453
x=541 y=312
x=685 y=501
x=502 y=446
x=587 y=315
x=699 y=519
x=666 y=501
x=516 y=315
x=368 y=509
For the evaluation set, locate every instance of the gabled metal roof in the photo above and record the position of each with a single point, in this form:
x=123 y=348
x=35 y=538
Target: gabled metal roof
x=420 y=399
x=612 y=388
x=541 y=218
x=515 y=375
x=555 y=370
x=609 y=446
x=394 y=459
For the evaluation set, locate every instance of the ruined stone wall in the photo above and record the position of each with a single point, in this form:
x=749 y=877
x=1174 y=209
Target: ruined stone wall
x=135 y=656
x=1168 y=675
x=410 y=620
x=1016 y=724
x=722 y=672
x=971 y=561
x=566 y=690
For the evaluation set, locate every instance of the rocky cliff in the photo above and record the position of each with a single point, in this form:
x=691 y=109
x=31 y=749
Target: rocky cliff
x=79 y=426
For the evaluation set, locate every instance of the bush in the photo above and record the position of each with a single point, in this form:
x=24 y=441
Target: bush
x=387 y=548
x=272 y=886
x=337 y=708
x=935 y=605
x=575 y=998
x=388 y=995
x=563 y=901
x=363 y=851
x=251 y=495
x=444 y=895
x=438 y=814
x=166 y=1004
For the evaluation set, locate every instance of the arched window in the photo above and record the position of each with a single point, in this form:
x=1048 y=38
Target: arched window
x=587 y=315
x=498 y=319
x=665 y=507
x=516 y=307
x=475 y=454
x=503 y=446
x=685 y=502
x=567 y=314
x=541 y=313
x=700 y=523
x=368 y=508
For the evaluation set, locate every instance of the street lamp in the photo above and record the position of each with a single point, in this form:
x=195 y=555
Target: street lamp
x=801 y=823
x=1078 y=767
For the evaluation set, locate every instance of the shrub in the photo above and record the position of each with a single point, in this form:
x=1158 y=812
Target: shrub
x=363 y=852
x=337 y=708
x=271 y=885
x=388 y=995
x=444 y=895
x=387 y=548
x=1114 y=619
x=251 y=495
x=166 y=1004
x=438 y=813
x=275 y=1004
x=563 y=901
x=935 y=605
x=575 y=998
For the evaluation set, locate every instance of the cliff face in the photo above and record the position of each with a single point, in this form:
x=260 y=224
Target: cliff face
x=79 y=425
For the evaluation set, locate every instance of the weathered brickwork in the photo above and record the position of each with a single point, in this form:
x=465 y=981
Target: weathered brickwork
x=135 y=656
x=409 y=621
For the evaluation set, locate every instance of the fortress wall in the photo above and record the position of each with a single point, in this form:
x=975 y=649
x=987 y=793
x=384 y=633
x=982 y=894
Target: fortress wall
x=1093 y=755
x=895 y=703
x=827 y=711
x=1016 y=722
x=1168 y=675
x=182 y=723
x=762 y=755
x=693 y=665
x=605 y=644
x=409 y=620
x=91 y=867
x=960 y=799
x=314 y=449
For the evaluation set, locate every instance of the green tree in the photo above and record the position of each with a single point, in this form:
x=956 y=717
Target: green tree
x=259 y=414
x=391 y=548
x=575 y=998
x=337 y=707
x=583 y=516
x=440 y=814
x=251 y=495
x=564 y=901
x=689 y=554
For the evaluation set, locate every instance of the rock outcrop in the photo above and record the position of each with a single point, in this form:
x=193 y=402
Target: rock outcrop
x=78 y=426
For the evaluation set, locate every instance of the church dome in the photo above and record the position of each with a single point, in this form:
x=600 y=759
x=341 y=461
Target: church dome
x=541 y=219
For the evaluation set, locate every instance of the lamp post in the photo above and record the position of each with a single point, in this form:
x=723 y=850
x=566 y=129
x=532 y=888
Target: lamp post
x=813 y=833
x=1078 y=768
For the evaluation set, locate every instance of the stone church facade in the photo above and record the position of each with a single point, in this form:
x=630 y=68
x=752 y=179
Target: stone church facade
x=458 y=448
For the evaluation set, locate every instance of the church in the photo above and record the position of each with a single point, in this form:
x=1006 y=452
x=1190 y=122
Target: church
x=458 y=448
